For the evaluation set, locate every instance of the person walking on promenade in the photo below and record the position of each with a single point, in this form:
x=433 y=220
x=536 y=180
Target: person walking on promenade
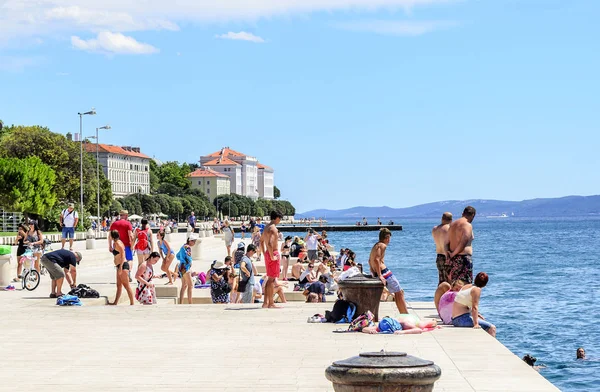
x=167 y=254
x=185 y=265
x=68 y=222
x=243 y=229
x=312 y=244
x=145 y=293
x=35 y=240
x=465 y=312
x=256 y=241
x=440 y=237
x=228 y=236
x=246 y=284
x=379 y=270
x=143 y=242
x=118 y=249
x=192 y=222
x=57 y=261
x=125 y=230
x=458 y=248
x=268 y=244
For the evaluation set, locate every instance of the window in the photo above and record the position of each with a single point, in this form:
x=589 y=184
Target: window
x=208 y=190
x=199 y=182
x=207 y=182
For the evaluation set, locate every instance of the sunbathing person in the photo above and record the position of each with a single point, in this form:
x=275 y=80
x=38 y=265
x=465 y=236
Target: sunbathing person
x=297 y=270
x=466 y=304
x=444 y=299
x=404 y=324
x=308 y=276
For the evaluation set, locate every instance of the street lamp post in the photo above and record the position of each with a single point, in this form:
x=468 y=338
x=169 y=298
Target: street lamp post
x=91 y=112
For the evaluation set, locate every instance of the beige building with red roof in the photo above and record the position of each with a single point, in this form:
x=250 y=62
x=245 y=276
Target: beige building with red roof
x=210 y=182
x=247 y=176
x=127 y=169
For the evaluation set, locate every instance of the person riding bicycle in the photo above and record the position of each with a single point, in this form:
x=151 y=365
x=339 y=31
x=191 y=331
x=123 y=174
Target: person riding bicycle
x=55 y=262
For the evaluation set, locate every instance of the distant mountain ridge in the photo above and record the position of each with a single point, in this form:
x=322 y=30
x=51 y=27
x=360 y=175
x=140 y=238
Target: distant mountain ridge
x=552 y=207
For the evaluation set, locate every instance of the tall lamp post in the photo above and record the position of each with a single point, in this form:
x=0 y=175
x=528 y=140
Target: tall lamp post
x=91 y=112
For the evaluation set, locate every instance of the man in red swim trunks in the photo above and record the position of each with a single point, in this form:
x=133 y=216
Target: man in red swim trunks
x=268 y=244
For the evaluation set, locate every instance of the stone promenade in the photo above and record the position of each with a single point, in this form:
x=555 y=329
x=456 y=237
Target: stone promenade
x=171 y=347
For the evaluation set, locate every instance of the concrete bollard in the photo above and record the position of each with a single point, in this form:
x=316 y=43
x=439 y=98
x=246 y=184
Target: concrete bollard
x=383 y=371
x=90 y=240
x=364 y=292
x=5 y=262
x=197 y=250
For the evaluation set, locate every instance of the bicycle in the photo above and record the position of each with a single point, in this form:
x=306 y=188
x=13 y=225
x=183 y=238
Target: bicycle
x=46 y=249
x=30 y=276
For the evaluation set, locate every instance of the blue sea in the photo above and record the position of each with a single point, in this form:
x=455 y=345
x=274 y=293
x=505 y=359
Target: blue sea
x=543 y=291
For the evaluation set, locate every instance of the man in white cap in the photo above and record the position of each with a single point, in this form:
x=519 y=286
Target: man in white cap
x=68 y=222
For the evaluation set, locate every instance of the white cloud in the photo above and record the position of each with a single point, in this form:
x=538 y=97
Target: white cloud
x=32 y=18
x=241 y=36
x=399 y=28
x=112 y=43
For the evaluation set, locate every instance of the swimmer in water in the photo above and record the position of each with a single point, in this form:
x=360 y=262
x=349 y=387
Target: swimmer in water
x=531 y=360
x=580 y=353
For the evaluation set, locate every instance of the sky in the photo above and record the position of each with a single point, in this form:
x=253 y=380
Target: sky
x=352 y=102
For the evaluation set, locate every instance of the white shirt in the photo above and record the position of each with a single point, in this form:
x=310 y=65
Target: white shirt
x=305 y=274
x=312 y=242
x=69 y=217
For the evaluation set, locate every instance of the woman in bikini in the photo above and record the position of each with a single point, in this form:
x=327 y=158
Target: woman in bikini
x=185 y=265
x=285 y=256
x=167 y=255
x=256 y=241
x=122 y=267
x=145 y=292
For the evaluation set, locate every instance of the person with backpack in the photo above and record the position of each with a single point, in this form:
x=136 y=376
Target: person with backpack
x=68 y=222
x=143 y=242
x=185 y=265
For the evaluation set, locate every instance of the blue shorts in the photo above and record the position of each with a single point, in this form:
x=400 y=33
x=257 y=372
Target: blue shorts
x=465 y=320
x=128 y=253
x=68 y=232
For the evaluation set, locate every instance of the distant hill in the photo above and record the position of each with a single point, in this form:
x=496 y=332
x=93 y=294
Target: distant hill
x=559 y=207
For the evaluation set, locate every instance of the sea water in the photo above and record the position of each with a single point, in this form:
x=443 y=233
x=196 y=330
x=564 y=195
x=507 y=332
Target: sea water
x=543 y=291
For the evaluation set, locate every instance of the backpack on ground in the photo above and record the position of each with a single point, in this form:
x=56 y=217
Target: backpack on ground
x=142 y=239
x=342 y=312
x=84 y=291
x=362 y=321
x=68 y=300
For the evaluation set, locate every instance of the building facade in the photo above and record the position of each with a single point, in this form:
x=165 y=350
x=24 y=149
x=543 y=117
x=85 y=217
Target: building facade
x=210 y=182
x=244 y=173
x=127 y=169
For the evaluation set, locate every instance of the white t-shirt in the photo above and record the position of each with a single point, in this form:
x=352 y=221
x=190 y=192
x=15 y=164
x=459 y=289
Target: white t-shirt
x=304 y=274
x=312 y=242
x=69 y=217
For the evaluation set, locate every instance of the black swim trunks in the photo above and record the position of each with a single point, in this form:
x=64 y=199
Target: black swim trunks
x=440 y=262
x=460 y=267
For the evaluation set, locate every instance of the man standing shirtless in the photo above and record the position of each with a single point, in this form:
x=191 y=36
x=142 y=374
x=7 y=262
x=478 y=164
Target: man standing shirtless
x=268 y=244
x=379 y=270
x=459 y=249
x=440 y=237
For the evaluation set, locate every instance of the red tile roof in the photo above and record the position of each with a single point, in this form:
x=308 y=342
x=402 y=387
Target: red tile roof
x=261 y=166
x=221 y=161
x=206 y=172
x=91 y=147
x=226 y=151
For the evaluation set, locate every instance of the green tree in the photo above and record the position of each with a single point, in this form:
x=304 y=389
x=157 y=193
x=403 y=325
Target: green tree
x=63 y=156
x=169 y=189
x=276 y=192
x=115 y=207
x=26 y=185
x=174 y=174
x=154 y=180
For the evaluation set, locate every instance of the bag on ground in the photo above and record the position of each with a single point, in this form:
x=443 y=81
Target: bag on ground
x=84 y=291
x=362 y=321
x=342 y=312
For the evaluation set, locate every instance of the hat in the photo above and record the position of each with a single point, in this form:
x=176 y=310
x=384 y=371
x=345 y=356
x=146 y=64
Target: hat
x=389 y=325
x=71 y=205
x=193 y=237
x=78 y=256
x=219 y=265
x=123 y=212
x=241 y=245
